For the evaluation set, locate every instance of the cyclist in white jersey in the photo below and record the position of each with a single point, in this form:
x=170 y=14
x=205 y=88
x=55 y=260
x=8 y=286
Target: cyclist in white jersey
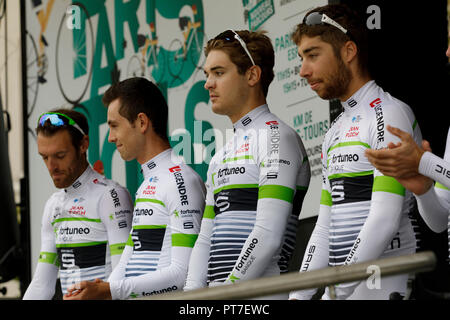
x=86 y=223
x=416 y=168
x=168 y=206
x=363 y=214
x=257 y=182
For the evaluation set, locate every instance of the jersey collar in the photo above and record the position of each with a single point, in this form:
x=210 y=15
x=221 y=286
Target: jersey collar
x=248 y=120
x=355 y=100
x=81 y=181
x=151 y=165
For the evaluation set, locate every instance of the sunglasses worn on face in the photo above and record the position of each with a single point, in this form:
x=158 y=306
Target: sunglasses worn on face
x=317 y=18
x=231 y=35
x=58 y=120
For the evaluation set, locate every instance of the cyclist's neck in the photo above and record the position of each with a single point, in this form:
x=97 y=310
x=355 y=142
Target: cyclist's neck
x=355 y=84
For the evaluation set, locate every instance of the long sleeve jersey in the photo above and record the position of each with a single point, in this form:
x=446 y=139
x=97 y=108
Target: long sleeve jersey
x=255 y=188
x=363 y=215
x=166 y=221
x=84 y=231
x=434 y=205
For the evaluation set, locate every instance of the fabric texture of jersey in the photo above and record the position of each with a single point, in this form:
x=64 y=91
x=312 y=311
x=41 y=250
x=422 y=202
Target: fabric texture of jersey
x=84 y=231
x=255 y=189
x=166 y=221
x=364 y=215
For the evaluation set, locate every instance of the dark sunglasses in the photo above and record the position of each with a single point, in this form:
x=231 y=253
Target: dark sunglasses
x=317 y=18
x=58 y=120
x=231 y=35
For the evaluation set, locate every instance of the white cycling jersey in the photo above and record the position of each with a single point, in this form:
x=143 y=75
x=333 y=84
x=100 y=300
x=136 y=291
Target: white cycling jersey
x=255 y=189
x=84 y=231
x=166 y=221
x=434 y=205
x=364 y=215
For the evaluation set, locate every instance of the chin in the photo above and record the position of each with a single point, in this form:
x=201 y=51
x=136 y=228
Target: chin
x=217 y=110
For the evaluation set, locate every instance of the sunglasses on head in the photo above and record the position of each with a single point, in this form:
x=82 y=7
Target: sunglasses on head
x=317 y=18
x=231 y=35
x=58 y=120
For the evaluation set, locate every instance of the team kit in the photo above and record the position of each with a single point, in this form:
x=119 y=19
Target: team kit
x=180 y=233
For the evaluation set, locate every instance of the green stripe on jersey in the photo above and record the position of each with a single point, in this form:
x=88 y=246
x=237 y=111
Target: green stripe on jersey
x=236 y=186
x=347 y=144
x=76 y=245
x=414 y=124
x=130 y=242
x=116 y=248
x=325 y=198
x=388 y=184
x=350 y=174
x=276 y=192
x=76 y=219
x=149 y=200
x=184 y=240
x=49 y=257
x=249 y=157
x=209 y=212
x=440 y=186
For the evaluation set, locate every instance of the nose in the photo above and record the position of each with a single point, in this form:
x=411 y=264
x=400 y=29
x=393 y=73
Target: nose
x=111 y=137
x=448 y=52
x=209 y=84
x=305 y=70
x=52 y=164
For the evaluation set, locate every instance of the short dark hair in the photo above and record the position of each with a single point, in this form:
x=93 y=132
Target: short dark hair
x=260 y=48
x=47 y=129
x=138 y=95
x=347 y=18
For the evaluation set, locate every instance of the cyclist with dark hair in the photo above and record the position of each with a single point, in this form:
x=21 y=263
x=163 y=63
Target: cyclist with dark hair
x=364 y=215
x=168 y=205
x=86 y=223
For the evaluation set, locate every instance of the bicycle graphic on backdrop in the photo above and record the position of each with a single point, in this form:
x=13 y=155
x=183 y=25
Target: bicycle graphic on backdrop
x=73 y=56
x=150 y=61
x=191 y=47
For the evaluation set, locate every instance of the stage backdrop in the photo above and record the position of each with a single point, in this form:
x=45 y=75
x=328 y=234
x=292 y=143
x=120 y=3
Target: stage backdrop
x=76 y=49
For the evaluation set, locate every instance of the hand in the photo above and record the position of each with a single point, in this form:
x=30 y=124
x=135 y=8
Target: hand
x=400 y=160
x=89 y=290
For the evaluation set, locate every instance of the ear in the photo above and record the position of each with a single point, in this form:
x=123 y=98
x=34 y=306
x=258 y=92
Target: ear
x=143 y=122
x=253 y=75
x=84 y=145
x=349 y=52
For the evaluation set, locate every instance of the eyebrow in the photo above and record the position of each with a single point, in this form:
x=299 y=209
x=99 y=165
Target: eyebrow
x=213 y=69
x=307 y=50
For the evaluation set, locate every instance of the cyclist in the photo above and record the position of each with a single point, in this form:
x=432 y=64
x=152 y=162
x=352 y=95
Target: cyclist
x=363 y=215
x=416 y=168
x=168 y=205
x=257 y=182
x=86 y=223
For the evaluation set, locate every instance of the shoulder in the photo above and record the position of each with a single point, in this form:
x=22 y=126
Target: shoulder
x=381 y=105
x=105 y=187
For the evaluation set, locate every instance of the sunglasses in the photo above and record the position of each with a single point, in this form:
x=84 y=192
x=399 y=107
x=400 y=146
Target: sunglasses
x=58 y=120
x=231 y=35
x=317 y=18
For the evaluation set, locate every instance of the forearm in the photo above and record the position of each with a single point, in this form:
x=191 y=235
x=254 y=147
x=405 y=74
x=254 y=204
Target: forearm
x=435 y=168
x=264 y=240
x=376 y=234
x=316 y=255
x=433 y=210
x=42 y=287
x=198 y=263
